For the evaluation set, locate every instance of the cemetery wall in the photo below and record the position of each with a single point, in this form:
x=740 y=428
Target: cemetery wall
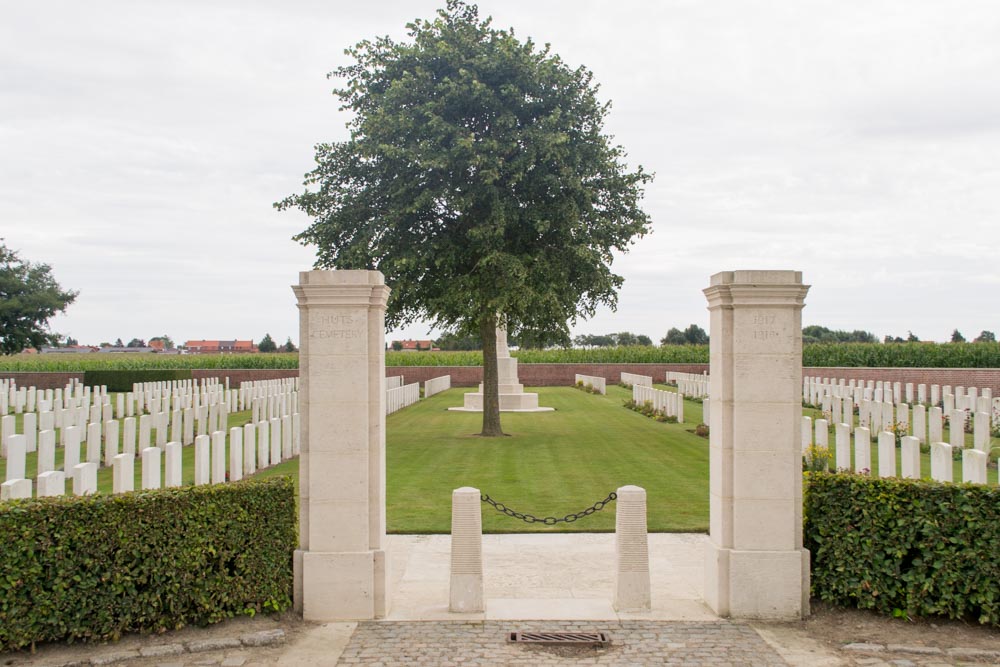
x=543 y=375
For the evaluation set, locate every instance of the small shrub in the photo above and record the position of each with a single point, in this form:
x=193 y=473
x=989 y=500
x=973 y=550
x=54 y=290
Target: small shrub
x=702 y=430
x=817 y=459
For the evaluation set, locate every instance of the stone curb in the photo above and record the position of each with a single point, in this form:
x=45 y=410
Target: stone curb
x=253 y=639
x=973 y=654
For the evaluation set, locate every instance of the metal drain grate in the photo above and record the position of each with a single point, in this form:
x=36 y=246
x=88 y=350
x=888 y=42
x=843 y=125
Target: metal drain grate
x=561 y=638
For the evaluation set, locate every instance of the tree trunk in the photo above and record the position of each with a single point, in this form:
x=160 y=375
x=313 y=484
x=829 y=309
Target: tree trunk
x=491 y=378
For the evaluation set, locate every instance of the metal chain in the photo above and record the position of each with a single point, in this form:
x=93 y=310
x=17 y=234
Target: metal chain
x=549 y=520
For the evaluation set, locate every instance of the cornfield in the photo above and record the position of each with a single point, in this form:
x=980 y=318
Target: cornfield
x=858 y=355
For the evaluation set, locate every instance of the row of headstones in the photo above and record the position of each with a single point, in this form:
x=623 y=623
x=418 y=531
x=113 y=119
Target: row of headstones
x=394 y=382
x=594 y=381
x=669 y=403
x=251 y=447
x=926 y=425
x=400 y=397
x=632 y=582
x=973 y=460
x=689 y=384
x=74 y=395
x=814 y=389
x=635 y=379
x=270 y=398
x=436 y=385
x=183 y=425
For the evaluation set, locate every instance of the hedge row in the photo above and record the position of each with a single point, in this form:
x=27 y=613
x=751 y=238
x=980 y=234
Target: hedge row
x=122 y=380
x=94 y=567
x=901 y=546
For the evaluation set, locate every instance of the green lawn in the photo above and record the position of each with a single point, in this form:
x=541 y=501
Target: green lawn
x=553 y=464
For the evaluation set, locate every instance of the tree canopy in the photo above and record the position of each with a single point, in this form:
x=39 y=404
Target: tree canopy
x=817 y=334
x=29 y=297
x=267 y=344
x=478 y=179
x=693 y=335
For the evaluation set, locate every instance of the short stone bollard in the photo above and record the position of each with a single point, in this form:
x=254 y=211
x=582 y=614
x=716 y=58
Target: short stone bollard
x=632 y=588
x=51 y=483
x=466 y=590
x=85 y=479
x=14 y=489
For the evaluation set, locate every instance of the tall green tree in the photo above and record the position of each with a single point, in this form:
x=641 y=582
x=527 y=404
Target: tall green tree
x=479 y=180
x=29 y=297
x=267 y=344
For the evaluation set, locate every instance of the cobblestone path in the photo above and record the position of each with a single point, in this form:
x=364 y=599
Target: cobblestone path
x=633 y=643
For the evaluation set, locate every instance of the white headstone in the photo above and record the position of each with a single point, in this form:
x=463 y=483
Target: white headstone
x=249 y=449
x=110 y=441
x=16 y=457
x=15 y=489
x=974 y=466
x=151 y=468
x=956 y=429
x=51 y=483
x=862 y=451
x=85 y=479
x=123 y=472
x=942 y=466
x=910 y=457
x=843 y=453
x=263 y=444
x=173 y=469
x=46 y=451
x=219 y=457
x=886 y=454
x=202 y=460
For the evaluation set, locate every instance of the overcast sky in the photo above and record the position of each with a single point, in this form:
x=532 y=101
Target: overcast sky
x=143 y=143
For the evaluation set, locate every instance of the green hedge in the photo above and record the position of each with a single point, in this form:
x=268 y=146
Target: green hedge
x=92 y=568
x=123 y=379
x=899 y=546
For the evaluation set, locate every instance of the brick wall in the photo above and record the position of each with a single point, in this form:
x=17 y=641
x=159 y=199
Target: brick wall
x=543 y=375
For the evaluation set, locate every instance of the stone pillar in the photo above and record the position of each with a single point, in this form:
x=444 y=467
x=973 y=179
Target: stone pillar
x=632 y=589
x=466 y=589
x=341 y=565
x=755 y=564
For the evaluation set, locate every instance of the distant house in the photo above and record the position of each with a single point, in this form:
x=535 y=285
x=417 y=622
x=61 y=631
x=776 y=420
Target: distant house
x=115 y=349
x=70 y=349
x=414 y=345
x=220 y=346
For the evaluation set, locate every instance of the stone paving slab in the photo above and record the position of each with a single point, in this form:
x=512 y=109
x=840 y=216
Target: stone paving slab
x=633 y=643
